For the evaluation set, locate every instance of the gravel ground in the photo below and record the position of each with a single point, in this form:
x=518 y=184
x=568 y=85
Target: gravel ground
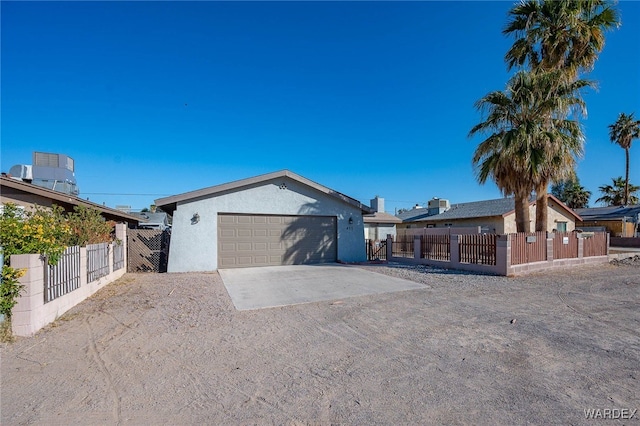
x=465 y=349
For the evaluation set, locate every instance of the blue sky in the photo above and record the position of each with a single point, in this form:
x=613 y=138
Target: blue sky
x=367 y=98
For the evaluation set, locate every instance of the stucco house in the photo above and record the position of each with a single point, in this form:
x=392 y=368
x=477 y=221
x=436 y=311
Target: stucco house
x=279 y=218
x=379 y=224
x=493 y=216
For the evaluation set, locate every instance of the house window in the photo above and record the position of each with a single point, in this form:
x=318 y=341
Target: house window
x=561 y=226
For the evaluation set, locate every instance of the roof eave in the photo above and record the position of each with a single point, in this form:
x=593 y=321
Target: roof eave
x=67 y=199
x=171 y=202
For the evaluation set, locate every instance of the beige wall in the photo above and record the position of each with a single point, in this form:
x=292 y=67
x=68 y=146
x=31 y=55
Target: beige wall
x=10 y=195
x=494 y=224
x=507 y=224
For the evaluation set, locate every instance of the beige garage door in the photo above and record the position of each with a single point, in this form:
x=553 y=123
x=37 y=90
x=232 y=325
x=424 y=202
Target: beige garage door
x=264 y=240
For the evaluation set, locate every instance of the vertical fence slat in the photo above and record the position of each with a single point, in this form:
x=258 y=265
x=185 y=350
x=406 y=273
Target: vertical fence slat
x=436 y=247
x=478 y=249
x=64 y=277
x=97 y=261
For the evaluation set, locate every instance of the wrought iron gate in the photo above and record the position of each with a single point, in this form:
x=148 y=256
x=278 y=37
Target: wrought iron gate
x=148 y=250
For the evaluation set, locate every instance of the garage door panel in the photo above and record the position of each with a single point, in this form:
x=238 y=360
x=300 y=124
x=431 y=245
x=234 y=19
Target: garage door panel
x=244 y=233
x=262 y=240
x=227 y=233
x=244 y=247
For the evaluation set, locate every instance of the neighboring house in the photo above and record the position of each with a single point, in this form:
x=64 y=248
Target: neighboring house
x=619 y=221
x=379 y=224
x=279 y=218
x=493 y=216
x=28 y=195
x=153 y=220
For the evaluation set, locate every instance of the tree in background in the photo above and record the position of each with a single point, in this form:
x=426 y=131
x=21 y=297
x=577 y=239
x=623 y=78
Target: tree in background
x=571 y=193
x=88 y=227
x=564 y=36
x=623 y=132
x=614 y=195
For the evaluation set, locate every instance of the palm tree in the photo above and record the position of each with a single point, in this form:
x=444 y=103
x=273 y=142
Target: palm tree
x=614 y=195
x=623 y=132
x=571 y=193
x=528 y=143
x=565 y=36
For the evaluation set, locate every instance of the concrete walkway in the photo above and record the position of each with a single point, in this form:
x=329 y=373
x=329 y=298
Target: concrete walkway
x=271 y=286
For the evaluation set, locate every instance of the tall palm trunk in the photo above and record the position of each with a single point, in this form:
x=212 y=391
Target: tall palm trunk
x=522 y=212
x=542 y=204
x=626 y=180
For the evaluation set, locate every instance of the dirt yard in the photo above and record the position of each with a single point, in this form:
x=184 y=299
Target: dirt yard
x=465 y=349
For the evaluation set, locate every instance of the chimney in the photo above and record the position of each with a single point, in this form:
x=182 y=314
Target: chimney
x=377 y=204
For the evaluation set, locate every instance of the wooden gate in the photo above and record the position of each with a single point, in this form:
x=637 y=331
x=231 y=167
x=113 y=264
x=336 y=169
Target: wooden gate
x=148 y=250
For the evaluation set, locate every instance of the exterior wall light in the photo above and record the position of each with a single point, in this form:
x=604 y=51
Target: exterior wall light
x=195 y=219
x=351 y=220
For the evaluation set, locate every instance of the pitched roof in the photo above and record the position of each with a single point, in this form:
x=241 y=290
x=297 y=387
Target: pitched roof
x=153 y=218
x=66 y=201
x=169 y=204
x=381 y=217
x=608 y=213
x=487 y=208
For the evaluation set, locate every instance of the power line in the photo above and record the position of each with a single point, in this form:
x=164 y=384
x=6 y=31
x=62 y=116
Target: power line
x=114 y=193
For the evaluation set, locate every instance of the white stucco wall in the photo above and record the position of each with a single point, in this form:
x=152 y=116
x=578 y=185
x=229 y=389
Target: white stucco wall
x=195 y=248
x=378 y=231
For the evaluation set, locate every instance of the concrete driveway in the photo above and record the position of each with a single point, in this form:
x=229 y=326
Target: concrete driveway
x=271 y=286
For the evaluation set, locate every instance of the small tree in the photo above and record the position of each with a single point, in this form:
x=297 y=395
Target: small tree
x=88 y=227
x=571 y=193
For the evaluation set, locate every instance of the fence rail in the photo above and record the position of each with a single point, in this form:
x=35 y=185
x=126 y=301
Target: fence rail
x=97 y=261
x=528 y=247
x=63 y=277
x=479 y=249
x=436 y=247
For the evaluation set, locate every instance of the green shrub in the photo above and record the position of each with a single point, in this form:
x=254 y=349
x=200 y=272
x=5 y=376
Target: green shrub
x=10 y=289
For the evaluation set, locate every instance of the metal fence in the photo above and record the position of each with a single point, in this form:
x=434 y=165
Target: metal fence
x=436 y=247
x=63 y=277
x=479 y=249
x=595 y=245
x=376 y=250
x=565 y=245
x=402 y=246
x=118 y=256
x=527 y=247
x=97 y=261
